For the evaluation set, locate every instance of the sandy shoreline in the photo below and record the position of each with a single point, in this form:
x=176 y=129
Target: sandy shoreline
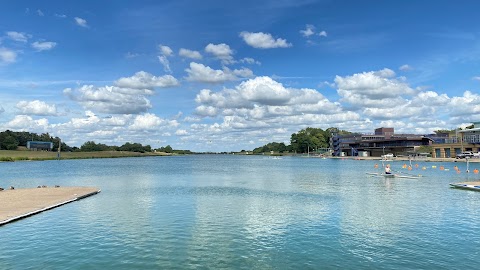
x=19 y=203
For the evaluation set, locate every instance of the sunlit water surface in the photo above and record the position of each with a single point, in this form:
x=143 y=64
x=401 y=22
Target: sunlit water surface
x=244 y=212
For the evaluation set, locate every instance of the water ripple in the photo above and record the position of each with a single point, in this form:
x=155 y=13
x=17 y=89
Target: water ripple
x=209 y=212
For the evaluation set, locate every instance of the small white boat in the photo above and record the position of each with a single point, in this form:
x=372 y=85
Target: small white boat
x=392 y=175
x=467 y=185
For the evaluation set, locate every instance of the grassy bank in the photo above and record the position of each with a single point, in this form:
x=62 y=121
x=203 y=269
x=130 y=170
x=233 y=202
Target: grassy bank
x=12 y=155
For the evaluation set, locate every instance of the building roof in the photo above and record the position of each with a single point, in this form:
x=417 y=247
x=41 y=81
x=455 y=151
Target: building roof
x=469 y=130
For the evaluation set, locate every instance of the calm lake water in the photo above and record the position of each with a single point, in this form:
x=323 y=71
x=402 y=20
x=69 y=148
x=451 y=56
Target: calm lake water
x=244 y=212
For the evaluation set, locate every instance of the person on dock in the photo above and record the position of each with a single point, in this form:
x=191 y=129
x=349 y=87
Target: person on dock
x=387 y=169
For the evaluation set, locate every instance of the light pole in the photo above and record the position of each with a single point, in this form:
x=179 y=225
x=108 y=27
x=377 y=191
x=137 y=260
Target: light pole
x=308 y=144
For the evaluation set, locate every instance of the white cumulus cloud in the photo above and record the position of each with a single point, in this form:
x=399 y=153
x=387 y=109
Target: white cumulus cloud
x=264 y=90
x=36 y=107
x=165 y=50
x=43 y=45
x=221 y=51
x=374 y=87
x=150 y=121
x=467 y=104
x=165 y=63
x=181 y=132
x=7 y=56
x=110 y=99
x=146 y=80
x=27 y=123
x=263 y=101
x=190 y=54
x=163 y=58
x=262 y=40
x=323 y=33
x=309 y=30
x=128 y=96
x=18 y=36
x=249 y=60
x=81 y=22
x=405 y=68
x=243 y=72
x=203 y=110
x=201 y=73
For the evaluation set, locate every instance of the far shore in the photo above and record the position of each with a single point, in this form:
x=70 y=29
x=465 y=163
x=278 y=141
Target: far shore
x=18 y=155
x=24 y=155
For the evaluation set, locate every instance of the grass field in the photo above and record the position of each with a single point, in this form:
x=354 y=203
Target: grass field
x=13 y=155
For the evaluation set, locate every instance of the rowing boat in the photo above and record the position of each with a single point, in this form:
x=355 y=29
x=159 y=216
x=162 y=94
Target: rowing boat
x=394 y=175
x=467 y=185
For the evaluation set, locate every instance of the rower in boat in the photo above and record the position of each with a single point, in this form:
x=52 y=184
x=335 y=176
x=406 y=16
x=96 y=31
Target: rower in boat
x=387 y=169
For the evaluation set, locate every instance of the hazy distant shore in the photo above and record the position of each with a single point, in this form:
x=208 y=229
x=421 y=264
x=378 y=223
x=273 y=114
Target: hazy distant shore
x=11 y=155
x=15 y=155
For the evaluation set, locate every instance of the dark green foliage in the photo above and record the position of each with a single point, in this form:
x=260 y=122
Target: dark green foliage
x=183 y=152
x=135 y=147
x=170 y=150
x=166 y=149
x=8 y=140
x=444 y=131
x=21 y=139
x=303 y=141
x=91 y=146
x=309 y=139
x=425 y=149
x=273 y=146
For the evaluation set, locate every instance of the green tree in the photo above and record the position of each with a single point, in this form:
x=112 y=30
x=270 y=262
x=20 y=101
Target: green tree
x=91 y=146
x=308 y=139
x=8 y=141
x=425 y=149
x=273 y=146
x=135 y=147
x=443 y=131
x=147 y=148
x=166 y=149
x=88 y=146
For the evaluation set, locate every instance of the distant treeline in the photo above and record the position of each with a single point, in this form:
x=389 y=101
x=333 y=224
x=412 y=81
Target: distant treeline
x=10 y=140
x=91 y=146
x=303 y=141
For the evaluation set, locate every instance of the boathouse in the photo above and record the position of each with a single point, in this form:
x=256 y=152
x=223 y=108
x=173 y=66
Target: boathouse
x=38 y=145
x=383 y=141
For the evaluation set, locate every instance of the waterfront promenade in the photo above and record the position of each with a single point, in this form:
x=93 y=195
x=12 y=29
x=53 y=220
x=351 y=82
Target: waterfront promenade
x=428 y=159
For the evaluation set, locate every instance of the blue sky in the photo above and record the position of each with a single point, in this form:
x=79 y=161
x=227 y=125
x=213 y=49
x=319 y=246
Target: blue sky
x=233 y=75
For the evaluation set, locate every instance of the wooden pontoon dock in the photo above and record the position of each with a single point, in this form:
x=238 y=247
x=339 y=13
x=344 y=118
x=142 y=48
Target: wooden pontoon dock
x=16 y=204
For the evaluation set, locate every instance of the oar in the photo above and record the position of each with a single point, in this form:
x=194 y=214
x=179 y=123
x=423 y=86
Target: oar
x=411 y=174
